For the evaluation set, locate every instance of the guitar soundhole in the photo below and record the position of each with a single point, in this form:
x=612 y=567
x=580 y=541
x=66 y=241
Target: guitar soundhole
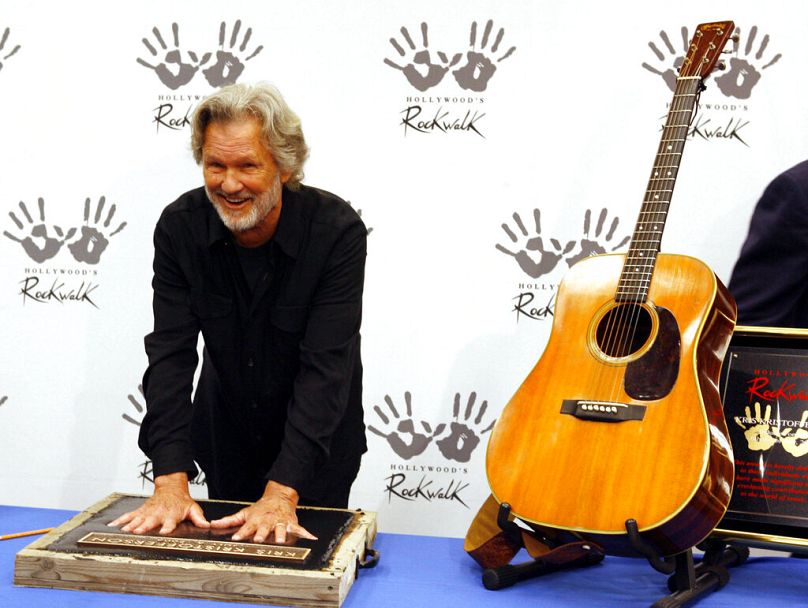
x=624 y=330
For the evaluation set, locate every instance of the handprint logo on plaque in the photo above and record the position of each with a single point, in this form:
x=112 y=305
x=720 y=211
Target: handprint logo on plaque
x=6 y=50
x=758 y=431
x=762 y=433
x=795 y=442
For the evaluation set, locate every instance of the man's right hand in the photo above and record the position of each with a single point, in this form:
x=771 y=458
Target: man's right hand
x=170 y=504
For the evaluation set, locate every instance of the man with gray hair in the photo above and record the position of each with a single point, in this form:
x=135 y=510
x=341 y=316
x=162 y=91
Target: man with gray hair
x=271 y=272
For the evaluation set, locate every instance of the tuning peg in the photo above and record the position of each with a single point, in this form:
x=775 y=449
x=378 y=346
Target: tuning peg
x=736 y=38
x=721 y=65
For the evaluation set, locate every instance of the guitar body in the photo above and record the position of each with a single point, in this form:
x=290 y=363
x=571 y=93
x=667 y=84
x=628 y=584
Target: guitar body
x=599 y=432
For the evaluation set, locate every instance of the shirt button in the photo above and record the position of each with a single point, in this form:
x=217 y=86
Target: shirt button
x=250 y=362
x=254 y=405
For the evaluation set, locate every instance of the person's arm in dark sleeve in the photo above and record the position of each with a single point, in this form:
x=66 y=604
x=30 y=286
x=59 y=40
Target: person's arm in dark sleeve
x=769 y=277
x=171 y=349
x=327 y=357
x=167 y=384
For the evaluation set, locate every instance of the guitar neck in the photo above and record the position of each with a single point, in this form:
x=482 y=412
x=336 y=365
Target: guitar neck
x=635 y=278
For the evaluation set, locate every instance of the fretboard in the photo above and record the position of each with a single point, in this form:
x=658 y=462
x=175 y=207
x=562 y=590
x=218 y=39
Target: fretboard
x=638 y=269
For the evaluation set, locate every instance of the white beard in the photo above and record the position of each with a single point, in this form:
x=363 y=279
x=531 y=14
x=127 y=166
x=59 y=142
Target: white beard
x=259 y=208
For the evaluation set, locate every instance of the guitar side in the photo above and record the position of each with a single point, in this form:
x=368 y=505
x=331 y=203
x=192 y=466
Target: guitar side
x=668 y=465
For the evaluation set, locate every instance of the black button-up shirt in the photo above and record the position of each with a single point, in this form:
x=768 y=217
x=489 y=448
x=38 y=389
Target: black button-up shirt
x=281 y=378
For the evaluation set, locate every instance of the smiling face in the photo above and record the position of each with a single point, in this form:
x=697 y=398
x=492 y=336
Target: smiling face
x=241 y=177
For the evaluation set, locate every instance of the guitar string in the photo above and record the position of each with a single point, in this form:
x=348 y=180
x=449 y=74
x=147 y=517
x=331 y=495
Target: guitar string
x=622 y=334
x=663 y=176
x=676 y=130
x=626 y=316
x=661 y=184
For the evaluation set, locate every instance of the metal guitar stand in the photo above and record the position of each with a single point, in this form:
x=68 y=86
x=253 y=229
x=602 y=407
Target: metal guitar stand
x=561 y=556
x=688 y=580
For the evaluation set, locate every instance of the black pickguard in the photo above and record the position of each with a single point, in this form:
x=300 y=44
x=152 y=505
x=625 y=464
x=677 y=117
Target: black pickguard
x=653 y=375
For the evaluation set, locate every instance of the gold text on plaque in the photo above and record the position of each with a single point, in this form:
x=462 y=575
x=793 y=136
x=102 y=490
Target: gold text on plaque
x=206 y=548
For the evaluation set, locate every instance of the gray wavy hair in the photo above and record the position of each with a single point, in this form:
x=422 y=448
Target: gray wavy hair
x=280 y=127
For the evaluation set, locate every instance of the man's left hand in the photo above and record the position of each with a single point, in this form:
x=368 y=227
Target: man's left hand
x=274 y=512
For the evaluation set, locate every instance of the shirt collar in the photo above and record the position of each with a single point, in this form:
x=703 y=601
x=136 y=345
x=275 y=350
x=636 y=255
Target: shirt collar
x=290 y=225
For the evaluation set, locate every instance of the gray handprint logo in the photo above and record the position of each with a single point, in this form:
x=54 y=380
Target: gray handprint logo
x=359 y=213
x=530 y=253
x=139 y=407
x=464 y=435
x=3 y=41
x=668 y=64
x=93 y=241
x=401 y=433
x=480 y=64
x=229 y=66
x=597 y=244
x=180 y=72
x=421 y=59
x=742 y=75
x=37 y=244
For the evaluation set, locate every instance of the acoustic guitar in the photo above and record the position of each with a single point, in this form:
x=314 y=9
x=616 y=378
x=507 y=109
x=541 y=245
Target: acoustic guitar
x=621 y=417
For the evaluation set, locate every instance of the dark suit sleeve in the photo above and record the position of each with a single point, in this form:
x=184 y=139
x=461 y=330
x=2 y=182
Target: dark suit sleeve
x=769 y=278
x=328 y=356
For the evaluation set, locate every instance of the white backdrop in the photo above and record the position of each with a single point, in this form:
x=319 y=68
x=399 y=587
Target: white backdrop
x=451 y=169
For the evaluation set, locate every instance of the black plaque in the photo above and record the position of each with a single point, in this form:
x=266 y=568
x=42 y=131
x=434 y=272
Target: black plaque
x=764 y=387
x=94 y=536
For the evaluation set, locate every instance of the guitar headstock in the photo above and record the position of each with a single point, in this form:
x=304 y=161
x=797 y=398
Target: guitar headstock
x=705 y=47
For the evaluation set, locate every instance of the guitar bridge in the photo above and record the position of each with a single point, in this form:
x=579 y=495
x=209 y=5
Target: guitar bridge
x=602 y=411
